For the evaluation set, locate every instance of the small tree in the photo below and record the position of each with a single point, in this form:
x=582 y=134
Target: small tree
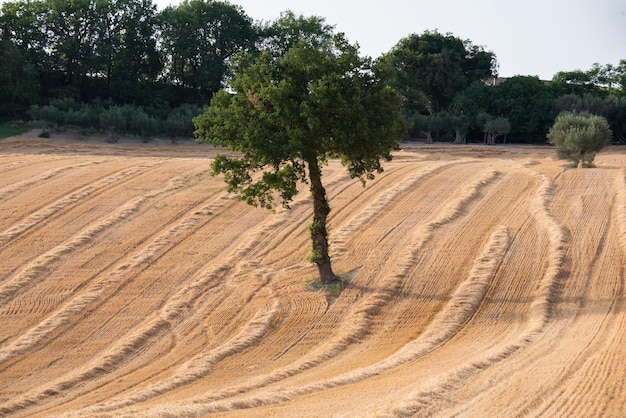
x=291 y=109
x=579 y=136
x=495 y=127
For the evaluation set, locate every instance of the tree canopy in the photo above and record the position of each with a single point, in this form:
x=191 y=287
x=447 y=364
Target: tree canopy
x=125 y=50
x=579 y=136
x=128 y=53
x=431 y=68
x=288 y=112
x=199 y=38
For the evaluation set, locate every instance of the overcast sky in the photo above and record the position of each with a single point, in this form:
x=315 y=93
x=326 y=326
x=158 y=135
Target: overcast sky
x=529 y=37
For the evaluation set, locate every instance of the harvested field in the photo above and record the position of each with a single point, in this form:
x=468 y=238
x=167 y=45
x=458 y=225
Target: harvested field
x=484 y=281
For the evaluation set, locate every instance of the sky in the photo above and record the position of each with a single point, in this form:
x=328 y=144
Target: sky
x=529 y=37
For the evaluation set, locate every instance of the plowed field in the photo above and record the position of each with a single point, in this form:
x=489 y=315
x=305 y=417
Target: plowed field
x=484 y=281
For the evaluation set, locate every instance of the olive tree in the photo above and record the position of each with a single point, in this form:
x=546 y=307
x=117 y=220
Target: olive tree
x=287 y=114
x=578 y=136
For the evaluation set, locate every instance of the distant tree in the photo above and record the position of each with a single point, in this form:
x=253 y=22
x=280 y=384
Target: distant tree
x=23 y=27
x=599 y=80
x=612 y=107
x=421 y=126
x=431 y=126
x=579 y=136
x=288 y=114
x=75 y=30
x=199 y=38
x=278 y=36
x=527 y=103
x=18 y=82
x=495 y=127
x=615 y=114
x=429 y=70
x=127 y=49
x=461 y=124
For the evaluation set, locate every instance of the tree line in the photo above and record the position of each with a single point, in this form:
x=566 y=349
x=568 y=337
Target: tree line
x=124 y=65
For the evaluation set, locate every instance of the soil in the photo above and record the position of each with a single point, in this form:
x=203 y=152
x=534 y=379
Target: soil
x=484 y=281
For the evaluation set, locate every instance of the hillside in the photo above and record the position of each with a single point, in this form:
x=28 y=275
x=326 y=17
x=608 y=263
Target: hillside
x=485 y=281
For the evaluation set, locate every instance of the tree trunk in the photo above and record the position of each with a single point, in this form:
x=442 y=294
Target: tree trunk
x=319 y=235
x=459 y=138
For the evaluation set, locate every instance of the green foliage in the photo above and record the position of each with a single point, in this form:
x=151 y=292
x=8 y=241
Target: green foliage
x=431 y=69
x=310 y=103
x=143 y=124
x=279 y=36
x=493 y=127
x=613 y=108
x=199 y=37
x=599 y=80
x=113 y=119
x=579 y=136
x=7 y=131
x=107 y=117
x=119 y=52
x=527 y=103
x=18 y=82
x=290 y=111
x=117 y=49
x=179 y=122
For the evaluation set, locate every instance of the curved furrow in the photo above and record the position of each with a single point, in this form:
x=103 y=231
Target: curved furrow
x=541 y=308
x=120 y=351
x=197 y=367
x=620 y=196
x=446 y=324
x=504 y=387
x=47 y=175
x=45 y=213
x=430 y=397
x=34 y=269
x=176 y=307
x=346 y=196
x=484 y=281
x=358 y=320
x=15 y=162
x=338 y=241
x=581 y=358
x=31 y=273
x=388 y=287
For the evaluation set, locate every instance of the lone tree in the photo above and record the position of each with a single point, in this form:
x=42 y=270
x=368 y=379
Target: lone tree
x=578 y=136
x=291 y=108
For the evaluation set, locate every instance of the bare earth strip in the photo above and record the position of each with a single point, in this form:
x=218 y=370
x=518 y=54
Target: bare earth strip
x=484 y=281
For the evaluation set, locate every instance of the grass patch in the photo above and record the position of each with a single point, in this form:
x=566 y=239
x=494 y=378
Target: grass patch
x=7 y=131
x=332 y=290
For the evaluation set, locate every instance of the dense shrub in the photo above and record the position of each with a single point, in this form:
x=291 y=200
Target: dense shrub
x=179 y=122
x=113 y=120
x=578 y=136
x=104 y=116
x=143 y=124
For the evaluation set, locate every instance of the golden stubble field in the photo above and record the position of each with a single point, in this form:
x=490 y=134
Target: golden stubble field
x=486 y=281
